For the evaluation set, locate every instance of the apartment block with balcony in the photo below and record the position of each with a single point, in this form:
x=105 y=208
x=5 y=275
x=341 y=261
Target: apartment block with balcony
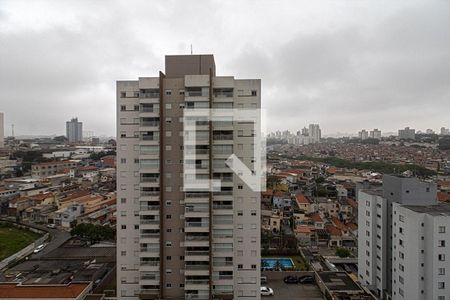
x=175 y=242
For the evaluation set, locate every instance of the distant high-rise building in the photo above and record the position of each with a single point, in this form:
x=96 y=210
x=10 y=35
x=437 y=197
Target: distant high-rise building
x=407 y=134
x=401 y=240
x=2 y=131
x=375 y=134
x=74 y=131
x=445 y=131
x=363 y=134
x=314 y=133
x=305 y=131
x=173 y=243
x=429 y=131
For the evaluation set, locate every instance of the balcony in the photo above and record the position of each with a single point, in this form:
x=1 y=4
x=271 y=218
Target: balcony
x=149 y=250
x=150 y=235
x=222 y=206
x=149 y=193
x=150 y=207
x=196 y=253
x=146 y=95
x=149 y=138
x=197 y=238
x=197 y=224
x=197 y=281
x=197 y=267
x=149 y=222
x=196 y=195
x=196 y=296
x=223 y=137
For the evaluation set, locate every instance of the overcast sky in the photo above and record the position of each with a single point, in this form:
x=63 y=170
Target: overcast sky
x=346 y=65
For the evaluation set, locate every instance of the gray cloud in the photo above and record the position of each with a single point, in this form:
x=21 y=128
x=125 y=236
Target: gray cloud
x=344 y=65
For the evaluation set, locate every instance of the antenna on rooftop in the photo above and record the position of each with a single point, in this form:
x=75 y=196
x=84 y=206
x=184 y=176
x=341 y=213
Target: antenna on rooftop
x=191 y=50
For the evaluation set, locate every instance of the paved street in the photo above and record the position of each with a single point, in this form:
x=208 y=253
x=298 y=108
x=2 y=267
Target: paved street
x=58 y=237
x=283 y=291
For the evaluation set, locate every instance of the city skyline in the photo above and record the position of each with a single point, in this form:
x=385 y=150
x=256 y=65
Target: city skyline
x=387 y=66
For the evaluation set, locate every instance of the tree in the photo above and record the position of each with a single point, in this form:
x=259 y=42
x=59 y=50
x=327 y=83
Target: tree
x=60 y=138
x=93 y=233
x=342 y=252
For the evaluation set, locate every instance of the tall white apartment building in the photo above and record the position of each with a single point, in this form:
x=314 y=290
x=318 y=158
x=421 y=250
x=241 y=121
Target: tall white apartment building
x=378 y=243
x=2 y=131
x=407 y=134
x=375 y=134
x=363 y=134
x=74 y=130
x=174 y=243
x=314 y=132
x=421 y=253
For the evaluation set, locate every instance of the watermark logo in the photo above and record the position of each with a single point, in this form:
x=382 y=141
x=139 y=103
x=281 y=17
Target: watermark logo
x=236 y=135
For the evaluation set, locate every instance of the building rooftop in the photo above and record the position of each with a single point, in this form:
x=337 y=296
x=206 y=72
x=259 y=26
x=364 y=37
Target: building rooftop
x=441 y=209
x=339 y=282
x=377 y=192
x=59 y=291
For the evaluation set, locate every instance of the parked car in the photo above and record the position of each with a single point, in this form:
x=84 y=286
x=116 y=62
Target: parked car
x=263 y=279
x=290 y=279
x=39 y=248
x=52 y=226
x=266 y=291
x=306 y=279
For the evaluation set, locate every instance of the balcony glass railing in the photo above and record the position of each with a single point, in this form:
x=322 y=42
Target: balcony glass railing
x=222 y=263
x=196 y=296
x=196 y=281
x=197 y=224
x=196 y=238
x=149 y=207
x=149 y=193
x=149 y=221
x=222 y=206
x=150 y=250
x=197 y=253
x=148 y=95
x=149 y=124
x=150 y=179
x=196 y=195
x=223 y=137
x=149 y=263
x=197 y=267
x=150 y=235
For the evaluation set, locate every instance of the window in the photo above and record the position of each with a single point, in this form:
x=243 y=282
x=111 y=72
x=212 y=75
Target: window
x=441 y=271
x=240 y=266
x=123 y=200
x=168 y=92
x=441 y=229
x=441 y=257
x=401 y=218
x=168 y=105
x=253 y=92
x=123 y=226
x=240 y=187
x=123 y=108
x=168 y=257
x=168 y=244
x=441 y=243
x=253 y=267
x=240 y=213
x=253 y=212
x=441 y=285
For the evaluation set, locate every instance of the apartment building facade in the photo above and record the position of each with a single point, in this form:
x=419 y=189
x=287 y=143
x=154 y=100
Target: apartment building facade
x=174 y=242
x=421 y=254
x=378 y=242
x=51 y=168
x=74 y=131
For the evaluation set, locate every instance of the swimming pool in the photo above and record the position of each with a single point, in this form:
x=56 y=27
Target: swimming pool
x=272 y=263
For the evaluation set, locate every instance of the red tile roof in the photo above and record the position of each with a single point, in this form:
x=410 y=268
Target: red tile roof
x=332 y=230
x=301 y=199
x=14 y=290
x=443 y=197
x=316 y=218
x=303 y=229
